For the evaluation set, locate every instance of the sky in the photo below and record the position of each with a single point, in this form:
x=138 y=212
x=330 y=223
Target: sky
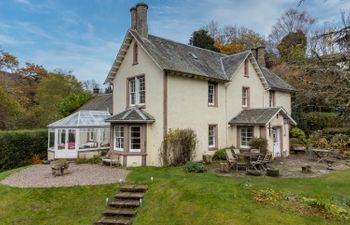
x=84 y=36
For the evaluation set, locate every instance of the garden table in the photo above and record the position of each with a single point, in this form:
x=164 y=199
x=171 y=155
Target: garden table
x=320 y=154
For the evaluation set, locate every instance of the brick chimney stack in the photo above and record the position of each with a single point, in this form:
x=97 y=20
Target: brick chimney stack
x=260 y=55
x=141 y=19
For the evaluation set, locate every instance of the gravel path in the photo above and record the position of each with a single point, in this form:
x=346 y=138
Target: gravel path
x=83 y=174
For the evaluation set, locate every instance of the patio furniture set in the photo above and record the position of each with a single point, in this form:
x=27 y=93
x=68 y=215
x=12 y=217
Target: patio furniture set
x=247 y=160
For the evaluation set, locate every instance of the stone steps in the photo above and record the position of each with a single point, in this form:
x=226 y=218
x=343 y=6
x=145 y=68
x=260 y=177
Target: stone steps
x=123 y=208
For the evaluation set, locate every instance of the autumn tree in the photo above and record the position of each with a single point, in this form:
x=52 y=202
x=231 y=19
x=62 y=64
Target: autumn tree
x=232 y=39
x=202 y=39
x=8 y=61
x=10 y=110
x=33 y=71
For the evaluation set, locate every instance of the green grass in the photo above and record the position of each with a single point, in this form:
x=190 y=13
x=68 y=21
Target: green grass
x=176 y=197
x=52 y=206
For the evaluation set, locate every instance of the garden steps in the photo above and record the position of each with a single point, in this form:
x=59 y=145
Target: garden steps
x=123 y=208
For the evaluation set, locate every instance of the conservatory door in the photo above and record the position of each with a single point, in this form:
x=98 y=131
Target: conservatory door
x=66 y=144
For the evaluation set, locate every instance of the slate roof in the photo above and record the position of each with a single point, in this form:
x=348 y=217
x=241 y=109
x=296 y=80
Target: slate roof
x=275 y=82
x=103 y=102
x=132 y=115
x=173 y=56
x=259 y=116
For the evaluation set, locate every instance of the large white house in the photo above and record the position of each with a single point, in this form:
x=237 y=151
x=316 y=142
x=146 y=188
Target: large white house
x=159 y=84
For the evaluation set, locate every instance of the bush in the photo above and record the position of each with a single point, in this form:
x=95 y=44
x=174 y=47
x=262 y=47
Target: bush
x=317 y=140
x=258 y=143
x=36 y=159
x=220 y=154
x=339 y=141
x=18 y=147
x=319 y=120
x=178 y=147
x=94 y=160
x=331 y=131
x=194 y=167
x=299 y=134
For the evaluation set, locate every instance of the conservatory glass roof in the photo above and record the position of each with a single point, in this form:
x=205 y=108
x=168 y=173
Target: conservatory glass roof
x=83 y=118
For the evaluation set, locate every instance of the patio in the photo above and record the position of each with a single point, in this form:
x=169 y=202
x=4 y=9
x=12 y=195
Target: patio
x=290 y=167
x=83 y=174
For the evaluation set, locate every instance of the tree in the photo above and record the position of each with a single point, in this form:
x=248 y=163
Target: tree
x=90 y=84
x=202 y=39
x=58 y=95
x=10 y=110
x=36 y=72
x=292 y=20
x=293 y=47
x=232 y=39
x=8 y=61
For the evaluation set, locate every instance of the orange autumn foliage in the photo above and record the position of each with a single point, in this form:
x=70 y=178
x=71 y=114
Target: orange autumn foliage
x=231 y=48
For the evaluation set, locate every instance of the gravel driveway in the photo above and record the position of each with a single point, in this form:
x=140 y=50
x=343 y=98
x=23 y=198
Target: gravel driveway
x=82 y=174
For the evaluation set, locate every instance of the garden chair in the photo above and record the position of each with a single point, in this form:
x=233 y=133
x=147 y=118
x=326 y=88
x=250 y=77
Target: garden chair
x=111 y=159
x=256 y=163
x=266 y=160
x=236 y=151
x=231 y=159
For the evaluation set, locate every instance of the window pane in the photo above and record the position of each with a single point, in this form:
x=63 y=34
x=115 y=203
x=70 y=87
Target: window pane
x=132 y=91
x=246 y=135
x=141 y=91
x=119 y=138
x=135 y=138
x=61 y=139
x=71 y=139
x=211 y=93
x=52 y=139
x=212 y=136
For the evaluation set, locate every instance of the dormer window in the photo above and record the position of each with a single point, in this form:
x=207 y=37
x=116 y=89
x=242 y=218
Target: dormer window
x=246 y=68
x=137 y=91
x=135 y=54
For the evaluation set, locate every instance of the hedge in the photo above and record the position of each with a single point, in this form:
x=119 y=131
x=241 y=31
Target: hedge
x=18 y=147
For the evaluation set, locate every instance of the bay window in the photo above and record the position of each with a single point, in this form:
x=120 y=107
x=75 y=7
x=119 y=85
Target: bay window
x=119 y=138
x=135 y=139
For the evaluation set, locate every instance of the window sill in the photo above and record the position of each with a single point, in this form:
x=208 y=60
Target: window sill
x=247 y=76
x=213 y=148
x=143 y=106
x=134 y=64
x=213 y=106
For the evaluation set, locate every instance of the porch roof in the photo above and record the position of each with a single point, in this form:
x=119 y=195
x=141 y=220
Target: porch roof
x=260 y=116
x=131 y=115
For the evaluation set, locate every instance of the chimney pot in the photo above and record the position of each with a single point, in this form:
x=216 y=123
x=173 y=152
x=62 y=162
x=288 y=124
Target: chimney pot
x=96 y=91
x=141 y=21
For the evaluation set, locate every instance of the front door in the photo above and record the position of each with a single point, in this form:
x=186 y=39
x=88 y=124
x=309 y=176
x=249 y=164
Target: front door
x=276 y=142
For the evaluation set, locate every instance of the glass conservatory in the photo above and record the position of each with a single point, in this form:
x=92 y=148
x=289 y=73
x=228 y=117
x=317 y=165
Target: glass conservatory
x=80 y=135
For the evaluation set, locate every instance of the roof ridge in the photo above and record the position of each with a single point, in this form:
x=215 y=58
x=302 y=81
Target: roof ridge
x=192 y=46
x=235 y=54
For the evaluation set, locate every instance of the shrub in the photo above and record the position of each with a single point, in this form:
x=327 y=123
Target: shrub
x=178 y=147
x=258 y=143
x=94 y=160
x=330 y=131
x=317 y=140
x=18 y=147
x=320 y=120
x=194 y=167
x=339 y=141
x=36 y=159
x=220 y=154
x=300 y=135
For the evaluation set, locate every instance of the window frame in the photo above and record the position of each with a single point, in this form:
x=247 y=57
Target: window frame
x=246 y=97
x=241 y=131
x=214 y=94
x=134 y=91
x=246 y=68
x=117 y=148
x=131 y=138
x=214 y=136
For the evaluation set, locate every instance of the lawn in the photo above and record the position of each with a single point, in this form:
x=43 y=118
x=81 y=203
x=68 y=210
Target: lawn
x=52 y=206
x=176 y=197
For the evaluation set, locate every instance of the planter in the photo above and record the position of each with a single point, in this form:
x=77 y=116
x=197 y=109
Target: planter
x=272 y=172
